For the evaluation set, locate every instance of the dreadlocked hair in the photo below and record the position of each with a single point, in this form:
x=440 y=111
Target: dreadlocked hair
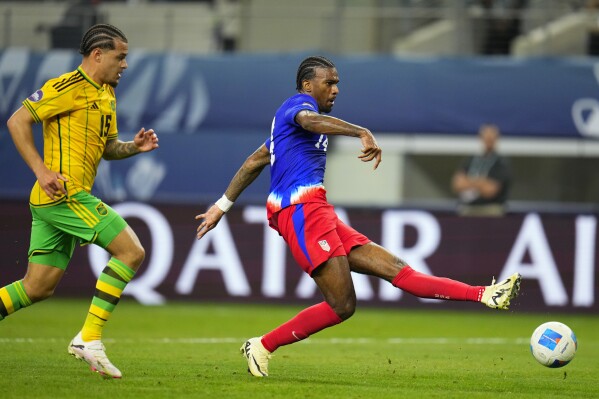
x=100 y=36
x=307 y=69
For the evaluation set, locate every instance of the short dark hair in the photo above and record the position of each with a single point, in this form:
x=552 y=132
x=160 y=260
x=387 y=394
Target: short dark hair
x=102 y=36
x=307 y=69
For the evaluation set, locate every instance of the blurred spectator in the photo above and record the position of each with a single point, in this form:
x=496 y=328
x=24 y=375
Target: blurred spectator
x=79 y=16
x=502 y=24
x=483 y=181
x=226 y=30
x=593 y=35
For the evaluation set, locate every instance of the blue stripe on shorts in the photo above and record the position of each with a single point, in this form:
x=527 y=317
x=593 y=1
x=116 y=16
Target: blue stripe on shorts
x=298 y=226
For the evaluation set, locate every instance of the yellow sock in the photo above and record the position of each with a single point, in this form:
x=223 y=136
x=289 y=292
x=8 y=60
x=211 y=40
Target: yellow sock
x=110 y=285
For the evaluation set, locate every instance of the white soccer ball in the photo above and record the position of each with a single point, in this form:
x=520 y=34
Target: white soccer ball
x=553 y=344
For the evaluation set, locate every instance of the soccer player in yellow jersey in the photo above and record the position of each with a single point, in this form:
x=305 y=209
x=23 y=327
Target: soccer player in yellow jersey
x=78 y=113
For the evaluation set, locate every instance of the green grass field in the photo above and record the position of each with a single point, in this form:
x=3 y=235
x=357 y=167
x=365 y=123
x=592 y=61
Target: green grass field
x=186 y=350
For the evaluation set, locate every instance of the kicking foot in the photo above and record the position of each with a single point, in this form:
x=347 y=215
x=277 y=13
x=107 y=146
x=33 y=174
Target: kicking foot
x=498 y=296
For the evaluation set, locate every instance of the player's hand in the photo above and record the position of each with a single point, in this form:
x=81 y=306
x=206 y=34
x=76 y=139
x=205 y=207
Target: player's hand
x=146 y=140
x=370 y=149
x=52 y=183
x=211 y=218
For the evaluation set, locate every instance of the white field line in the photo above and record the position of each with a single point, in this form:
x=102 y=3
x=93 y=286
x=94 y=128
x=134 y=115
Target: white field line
x=316 y=341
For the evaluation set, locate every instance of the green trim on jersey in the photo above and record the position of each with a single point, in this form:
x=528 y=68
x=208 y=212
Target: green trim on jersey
x=32 y=112
x=82 y=72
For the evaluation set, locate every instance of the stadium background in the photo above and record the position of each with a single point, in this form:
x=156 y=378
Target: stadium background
x=208 y=77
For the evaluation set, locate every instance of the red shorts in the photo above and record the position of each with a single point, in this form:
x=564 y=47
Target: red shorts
x=315 y=234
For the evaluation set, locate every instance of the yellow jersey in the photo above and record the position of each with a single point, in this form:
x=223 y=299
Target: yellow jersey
x=79 y=117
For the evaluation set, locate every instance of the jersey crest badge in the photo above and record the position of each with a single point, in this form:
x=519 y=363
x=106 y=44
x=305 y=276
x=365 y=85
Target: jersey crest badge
x=35 y=97
x=324 y=245
x=101 y=209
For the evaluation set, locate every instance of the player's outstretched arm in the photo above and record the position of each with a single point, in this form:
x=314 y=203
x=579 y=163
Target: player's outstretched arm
x=144 y=141
x=324 y=124
x=247 y=173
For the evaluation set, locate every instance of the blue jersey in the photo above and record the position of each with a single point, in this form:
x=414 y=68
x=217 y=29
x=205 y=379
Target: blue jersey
x=297 y=157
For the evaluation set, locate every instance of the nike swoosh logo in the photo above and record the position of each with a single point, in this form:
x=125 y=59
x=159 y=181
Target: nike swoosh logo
x=498 y=294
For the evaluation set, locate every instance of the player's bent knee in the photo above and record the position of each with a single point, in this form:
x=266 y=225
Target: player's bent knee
x=139 y=254
x=345 y=310
x=132 y=254
x=135 y=256
x=346 y=313
x=38 y=293
x=41 y=280
x=41 y=296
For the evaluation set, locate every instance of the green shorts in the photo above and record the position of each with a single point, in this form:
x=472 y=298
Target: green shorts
x=56 y=229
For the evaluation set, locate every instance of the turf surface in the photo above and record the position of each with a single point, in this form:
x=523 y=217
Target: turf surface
x=191 y=350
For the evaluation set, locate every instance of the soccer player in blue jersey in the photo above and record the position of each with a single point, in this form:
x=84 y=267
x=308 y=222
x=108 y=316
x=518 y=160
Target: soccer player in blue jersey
x=297 y=208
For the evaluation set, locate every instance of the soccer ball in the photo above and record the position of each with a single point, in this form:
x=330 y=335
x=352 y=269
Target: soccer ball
x=553 y=344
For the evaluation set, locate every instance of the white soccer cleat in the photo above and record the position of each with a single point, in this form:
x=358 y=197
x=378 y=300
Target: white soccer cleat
x=498 y=296
x=257 y=357
x=93 y=353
